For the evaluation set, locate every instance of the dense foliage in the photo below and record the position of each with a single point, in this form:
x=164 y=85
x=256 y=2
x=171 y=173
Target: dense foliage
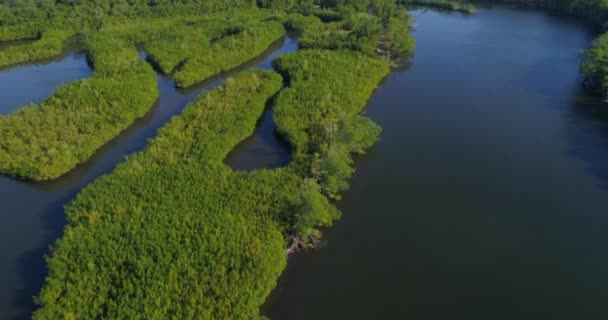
x=595 y=64
x=318 y=112
x=174 y=233
x=50 y=44
x=357 y=31
x=42 y=13
x=42 y=142
x=246 y=43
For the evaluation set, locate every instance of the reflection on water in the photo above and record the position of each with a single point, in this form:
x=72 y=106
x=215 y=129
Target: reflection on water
x=264 y=149
x=32 y=213
x=485 y=197
x=24 y=84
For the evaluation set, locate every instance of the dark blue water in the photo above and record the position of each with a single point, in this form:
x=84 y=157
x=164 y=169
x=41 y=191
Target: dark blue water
x=32 y=213
x=487 y=194
x=265 y=148
x=25 y=84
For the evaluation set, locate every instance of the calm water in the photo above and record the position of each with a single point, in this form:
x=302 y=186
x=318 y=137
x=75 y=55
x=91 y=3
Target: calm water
x=24 y=84
x=487 y=195
x=32 y=213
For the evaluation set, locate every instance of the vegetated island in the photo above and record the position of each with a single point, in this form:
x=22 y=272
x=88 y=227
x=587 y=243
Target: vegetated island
x=173 y=232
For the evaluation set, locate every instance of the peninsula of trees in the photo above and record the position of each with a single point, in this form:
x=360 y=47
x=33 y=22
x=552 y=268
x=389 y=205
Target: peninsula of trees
x=173 y=232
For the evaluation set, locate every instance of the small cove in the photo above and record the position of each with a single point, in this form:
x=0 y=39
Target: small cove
x=25 y=84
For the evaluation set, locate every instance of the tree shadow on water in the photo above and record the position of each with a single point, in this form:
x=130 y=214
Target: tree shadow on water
x=588 y=134
x=32 y=265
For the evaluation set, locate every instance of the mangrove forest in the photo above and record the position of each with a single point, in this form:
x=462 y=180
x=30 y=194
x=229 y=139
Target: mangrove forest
x=167 y=229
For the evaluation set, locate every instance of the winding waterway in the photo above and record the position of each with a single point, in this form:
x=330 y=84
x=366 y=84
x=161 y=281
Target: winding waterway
x=486 y=197
x=32 y=213
x=487 y=194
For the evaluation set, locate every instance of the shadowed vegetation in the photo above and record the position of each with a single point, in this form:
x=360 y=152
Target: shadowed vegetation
x=50 y=44
x=595 y=64
x=318 y=112
x=175 y=233
x=45 y=141
x=229 y=52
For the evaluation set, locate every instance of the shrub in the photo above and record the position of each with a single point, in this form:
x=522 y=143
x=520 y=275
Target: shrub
x=229 y=52
x=42 y=142
x=175 y=233
x=49 y=45
x=318 y=112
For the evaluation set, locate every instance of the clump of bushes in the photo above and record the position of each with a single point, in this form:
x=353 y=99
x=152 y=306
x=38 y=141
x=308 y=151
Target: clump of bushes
x=45 y=141
x=595 y=64
x=384 y=34
x=174 y=45
x=357 y=32
x=399 y=43
x=299 y=23
x=175 y=233
x=229 y=52
x=42 y=142
x=318 y=113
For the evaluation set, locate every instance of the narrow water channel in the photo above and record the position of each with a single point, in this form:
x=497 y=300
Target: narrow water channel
x=32 y=213
x=487 y=194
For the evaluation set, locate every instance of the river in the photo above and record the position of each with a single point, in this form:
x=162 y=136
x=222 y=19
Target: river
x=487 y=194
x=32 y=213
x=485 y=198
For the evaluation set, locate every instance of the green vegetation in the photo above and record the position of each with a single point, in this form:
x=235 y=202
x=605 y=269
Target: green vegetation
x=229 y=52
x=360 y=32
x=318 y=112
x=595 y=64
x=442 y=4
x=173 y=232
x=49 y=45
x=42 y=142
x=357 y=31
x=29 y=16
x=45 y=141
x=397 y=43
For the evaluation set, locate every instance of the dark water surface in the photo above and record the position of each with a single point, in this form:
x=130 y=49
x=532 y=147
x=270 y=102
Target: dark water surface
x=21 y=85
x=487 y=195
x=32 y=213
